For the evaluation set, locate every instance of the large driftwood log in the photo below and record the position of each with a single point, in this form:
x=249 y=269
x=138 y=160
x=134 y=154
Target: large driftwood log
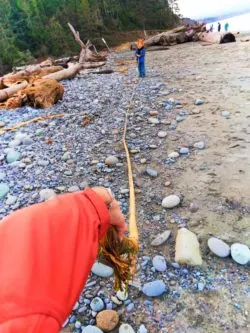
x=8 y=92
x=28 y=74
x=64 y=74
x=181 y=34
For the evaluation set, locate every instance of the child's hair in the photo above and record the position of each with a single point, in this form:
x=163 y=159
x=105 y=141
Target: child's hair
x=140 y=43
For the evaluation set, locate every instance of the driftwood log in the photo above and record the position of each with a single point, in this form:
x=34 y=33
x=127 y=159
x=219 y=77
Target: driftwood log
x=37 y=85
x=208 y=38
x=6 y=93
x=88 y=50
x=28 y=74
x=41 y=93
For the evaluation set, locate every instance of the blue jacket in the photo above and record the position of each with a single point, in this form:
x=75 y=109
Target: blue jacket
x=142 y=53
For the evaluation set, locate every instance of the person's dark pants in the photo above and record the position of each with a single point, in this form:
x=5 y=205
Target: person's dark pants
x=141 y=69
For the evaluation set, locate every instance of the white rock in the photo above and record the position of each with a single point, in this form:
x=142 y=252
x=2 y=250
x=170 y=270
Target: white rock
x=14 y=143
x=162 y=134
x=142 y=329
x=125 y=328
x=174 y=154
x=187 y=248
x=11 y=200
x=171 y=201
x=122 y=295
x=153 y=120
x=200 y=145
x=161 y=238
x=218 y=247
x=47 y=194
x=91 y=329
x=240 y=253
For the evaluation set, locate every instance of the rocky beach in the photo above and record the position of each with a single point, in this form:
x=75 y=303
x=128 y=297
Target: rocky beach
x=188 y=135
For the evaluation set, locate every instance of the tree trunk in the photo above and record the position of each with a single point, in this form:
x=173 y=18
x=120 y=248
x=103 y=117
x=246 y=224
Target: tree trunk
x=25 y=75
x=64 y=74
x=6 y=93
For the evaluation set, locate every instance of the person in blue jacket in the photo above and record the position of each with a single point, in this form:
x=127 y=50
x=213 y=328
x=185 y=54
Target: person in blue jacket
x=140 y=57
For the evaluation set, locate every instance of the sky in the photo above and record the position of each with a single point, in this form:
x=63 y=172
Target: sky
x=206 y=8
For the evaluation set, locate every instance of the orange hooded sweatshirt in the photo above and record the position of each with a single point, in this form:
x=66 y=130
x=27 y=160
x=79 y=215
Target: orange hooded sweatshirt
x=46 y=254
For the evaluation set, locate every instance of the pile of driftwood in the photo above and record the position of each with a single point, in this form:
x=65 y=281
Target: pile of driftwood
x=38 y=85
x=184 y=34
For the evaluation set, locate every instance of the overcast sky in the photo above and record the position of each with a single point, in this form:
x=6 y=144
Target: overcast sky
x=206 y=8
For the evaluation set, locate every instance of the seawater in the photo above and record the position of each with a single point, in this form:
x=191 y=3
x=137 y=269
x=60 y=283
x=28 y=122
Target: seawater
x=239 y=23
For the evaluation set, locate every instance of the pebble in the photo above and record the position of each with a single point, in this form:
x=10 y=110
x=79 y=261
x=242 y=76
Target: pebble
x=130 y=307
x=4 y=190
x=200 y=145
x=174 y=154
x=171 y=201
x=2 y=175
x=126 y=328
x=152 y=120
x=97 y=304
x=122 y=295
x=167 y=183
x=153 y=113
x=42 y=163
x=226 y=114
x=91 y=329
x=159 y=263
x=66 y=156
x=162 y=134
x=142 y=329
x=11 y=200
x=199 y=102
x=193 y=207
x=107 y=320
x=47 y=194
x=143 y=161
x=240 y=253
x=161 y=238
x=201 y=286
x=184 y=151
x=73 y=189
x=78 y=324
x=102 y=270
x=151 y=172
x=111 y=160
x=14 y=143
x=13 y=156
x=2 y=124
x=115 y=300
x=218 y=247
x=154 y=288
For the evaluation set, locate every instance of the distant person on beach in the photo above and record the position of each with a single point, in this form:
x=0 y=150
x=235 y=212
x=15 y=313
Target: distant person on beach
x=211 y=28
x=219 y=27
x=226 y=27
x=140 y=57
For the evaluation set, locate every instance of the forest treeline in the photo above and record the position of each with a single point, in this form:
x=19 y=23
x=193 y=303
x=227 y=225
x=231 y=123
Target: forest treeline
x=32 y=28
